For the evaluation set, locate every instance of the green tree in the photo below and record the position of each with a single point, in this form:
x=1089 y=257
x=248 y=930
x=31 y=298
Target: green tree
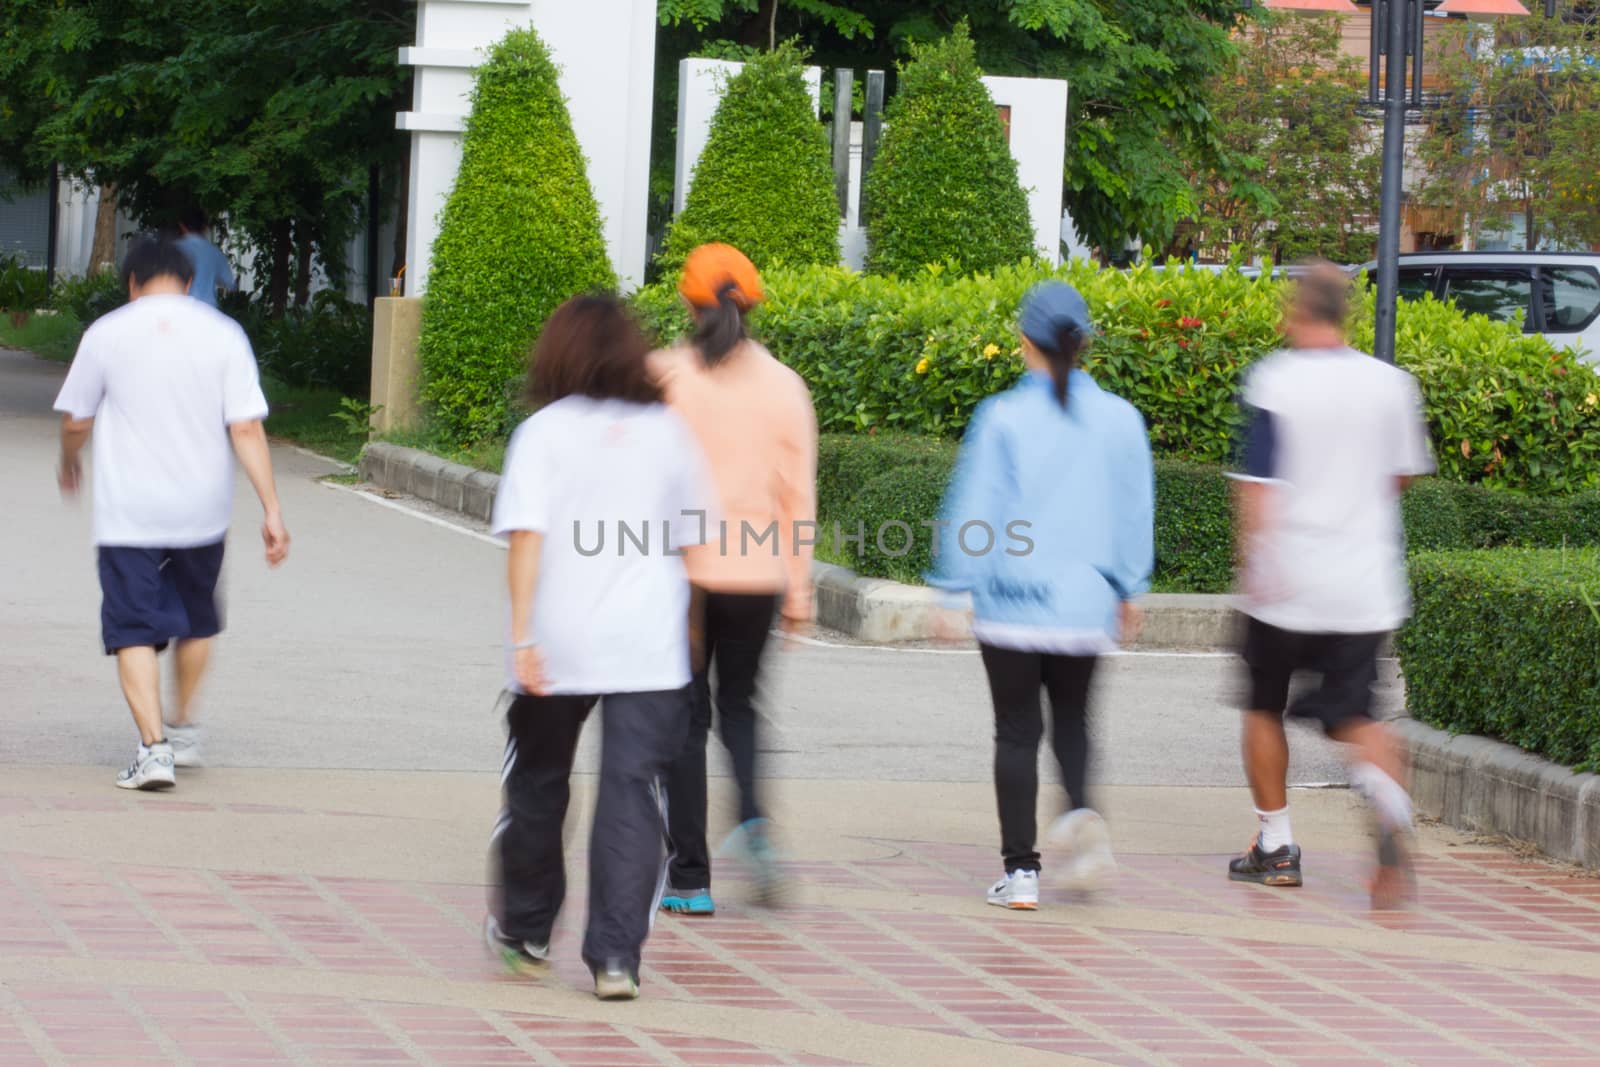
x=1304 y=173
x=1141 y=72
x=1515 y=136
x=519 y=235
x=273 y=112
x=764 y=183
x=944 y=188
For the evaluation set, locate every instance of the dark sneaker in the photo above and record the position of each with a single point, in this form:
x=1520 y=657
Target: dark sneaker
x=1280 y=867
x=519 y=957
x=1394 y=883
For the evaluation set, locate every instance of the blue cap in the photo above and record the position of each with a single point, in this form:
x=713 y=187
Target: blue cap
x=1048 y=308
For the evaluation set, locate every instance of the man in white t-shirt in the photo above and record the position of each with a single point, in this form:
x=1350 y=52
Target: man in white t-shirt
x=166 y=384
x=1332 y=438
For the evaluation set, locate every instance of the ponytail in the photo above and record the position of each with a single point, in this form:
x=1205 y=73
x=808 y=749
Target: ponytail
x=719 y=330
x=1063 y=359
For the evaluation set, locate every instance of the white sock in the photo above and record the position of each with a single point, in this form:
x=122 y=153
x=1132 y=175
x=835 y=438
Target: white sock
x=1387 y=797
x=1275 y=832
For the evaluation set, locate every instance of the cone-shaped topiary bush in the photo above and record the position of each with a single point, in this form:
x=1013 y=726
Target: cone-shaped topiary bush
x=520 y=234
x=944 y=187
x=764 y=183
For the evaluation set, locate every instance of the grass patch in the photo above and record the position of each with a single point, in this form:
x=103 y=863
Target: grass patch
x=487 y=456
x=309 y=418
x=52 y=337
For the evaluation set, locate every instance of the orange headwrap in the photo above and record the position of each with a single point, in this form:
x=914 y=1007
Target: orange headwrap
x=712 y=268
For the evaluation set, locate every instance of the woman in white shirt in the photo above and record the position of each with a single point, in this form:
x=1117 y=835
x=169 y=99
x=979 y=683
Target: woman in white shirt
x=602 y=488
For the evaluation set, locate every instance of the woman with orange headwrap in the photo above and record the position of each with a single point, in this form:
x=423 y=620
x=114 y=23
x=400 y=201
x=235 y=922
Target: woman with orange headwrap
x=754 y=420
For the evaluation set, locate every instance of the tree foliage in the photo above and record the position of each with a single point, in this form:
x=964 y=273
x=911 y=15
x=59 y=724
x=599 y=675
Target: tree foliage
x=1141 y=72
x=519 y=235
x=1517 y=131
x=764 y=183
x=1305 y=163
x=274 y=112
x=944 y=189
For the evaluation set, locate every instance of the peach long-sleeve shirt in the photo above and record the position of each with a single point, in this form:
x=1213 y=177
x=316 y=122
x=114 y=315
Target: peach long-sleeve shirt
x=754 y=420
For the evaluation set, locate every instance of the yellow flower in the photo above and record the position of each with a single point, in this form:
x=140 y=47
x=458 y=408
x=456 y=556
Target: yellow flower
x=991 y=350
x=1591 y=400
x=922 y=365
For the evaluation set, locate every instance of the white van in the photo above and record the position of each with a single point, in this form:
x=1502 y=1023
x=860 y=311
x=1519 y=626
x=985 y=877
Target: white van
x=1558 y=293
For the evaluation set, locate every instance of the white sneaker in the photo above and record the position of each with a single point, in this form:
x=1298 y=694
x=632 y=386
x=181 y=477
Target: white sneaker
x=185 y=741
x=1018 y=891
x=1084 y=832
x=151 y=769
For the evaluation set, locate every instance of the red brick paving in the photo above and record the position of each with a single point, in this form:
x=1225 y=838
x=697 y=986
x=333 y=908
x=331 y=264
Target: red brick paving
x=1113 y=995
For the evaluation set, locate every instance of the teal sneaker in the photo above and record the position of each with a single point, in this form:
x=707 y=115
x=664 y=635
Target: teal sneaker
x=751 y=844
x=688 y=902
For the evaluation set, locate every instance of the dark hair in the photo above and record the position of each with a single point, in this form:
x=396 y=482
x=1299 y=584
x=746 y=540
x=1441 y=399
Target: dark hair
x=719 y=330
x=1062 y=354
x=154 y=256
x=590 y=346
x=1322 y=293
x=194 y=219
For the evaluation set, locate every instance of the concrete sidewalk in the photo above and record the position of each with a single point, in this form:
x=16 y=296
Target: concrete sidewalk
x=325 y=918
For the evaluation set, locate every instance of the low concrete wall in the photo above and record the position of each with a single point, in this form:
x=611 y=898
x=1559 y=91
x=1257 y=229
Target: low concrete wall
x=396 y=328
x=868 y=609
x=1474 y=783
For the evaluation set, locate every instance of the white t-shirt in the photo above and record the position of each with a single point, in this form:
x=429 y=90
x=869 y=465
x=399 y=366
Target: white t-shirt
x=163 y=378
x=1332 y=430
x=618 y=490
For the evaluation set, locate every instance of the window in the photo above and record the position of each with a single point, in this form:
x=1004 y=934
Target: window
x=1571 y=297
x=1498 y=292
x=1417 y=282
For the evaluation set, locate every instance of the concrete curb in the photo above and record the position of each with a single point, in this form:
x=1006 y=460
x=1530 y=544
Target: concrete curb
x=1474 y=783
x=868 y=609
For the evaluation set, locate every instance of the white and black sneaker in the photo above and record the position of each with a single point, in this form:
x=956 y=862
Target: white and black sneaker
x=1083 y=832
x=185 y=741
x=1018 y=891
x=519 y=957
x=151 y=768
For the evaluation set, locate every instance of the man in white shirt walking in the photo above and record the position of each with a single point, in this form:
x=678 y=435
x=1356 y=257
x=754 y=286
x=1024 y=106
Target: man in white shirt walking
x=1332 y=438
x=166 y=384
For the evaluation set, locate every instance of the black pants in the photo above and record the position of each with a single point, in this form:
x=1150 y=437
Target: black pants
x=1015 y=679
x=734 y=629
x=640 y=734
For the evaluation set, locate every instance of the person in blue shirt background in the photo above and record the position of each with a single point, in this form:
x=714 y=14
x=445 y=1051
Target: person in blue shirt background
x=211 y=268
x=1049 y=525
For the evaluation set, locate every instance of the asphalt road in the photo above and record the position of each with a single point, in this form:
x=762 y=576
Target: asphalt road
x=377 y=646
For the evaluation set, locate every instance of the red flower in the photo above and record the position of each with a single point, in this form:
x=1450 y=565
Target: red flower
x=1163 y=303
x=1189 y=324
x=1182 y=343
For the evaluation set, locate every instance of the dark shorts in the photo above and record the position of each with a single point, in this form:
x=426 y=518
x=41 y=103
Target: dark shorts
x=152 y=596
x=1347 y=664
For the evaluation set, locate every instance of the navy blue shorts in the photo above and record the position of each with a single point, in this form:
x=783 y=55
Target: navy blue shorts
x=152 y=596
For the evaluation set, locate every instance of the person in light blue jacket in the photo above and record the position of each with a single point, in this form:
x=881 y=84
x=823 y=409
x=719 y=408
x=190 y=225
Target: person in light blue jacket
x=1049 y=525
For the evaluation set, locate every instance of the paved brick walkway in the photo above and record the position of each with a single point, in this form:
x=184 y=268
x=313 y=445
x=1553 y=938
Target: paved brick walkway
x=127 y=951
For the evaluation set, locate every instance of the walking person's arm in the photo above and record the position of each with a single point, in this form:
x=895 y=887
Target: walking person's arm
x=1136 y=551
x=250 y=445
x=797 y=507
x=522 y=576
x=74 y=435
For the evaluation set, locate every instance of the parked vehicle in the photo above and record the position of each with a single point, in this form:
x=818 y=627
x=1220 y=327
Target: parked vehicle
x=1557 y=293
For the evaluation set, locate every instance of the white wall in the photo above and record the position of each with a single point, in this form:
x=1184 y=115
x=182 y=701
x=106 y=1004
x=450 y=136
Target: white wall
x=1038 y=144
x=79 y=204
x=605 y=50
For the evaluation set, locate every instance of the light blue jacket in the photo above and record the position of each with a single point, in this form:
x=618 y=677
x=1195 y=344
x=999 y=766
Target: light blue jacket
x=1070 y=498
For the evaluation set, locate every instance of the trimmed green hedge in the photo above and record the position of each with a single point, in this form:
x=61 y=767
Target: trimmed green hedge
x=872 y=479
x=519 y=235
x=1507 y=644
x=944 y=187
x=919 y=354
x=764 y=183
